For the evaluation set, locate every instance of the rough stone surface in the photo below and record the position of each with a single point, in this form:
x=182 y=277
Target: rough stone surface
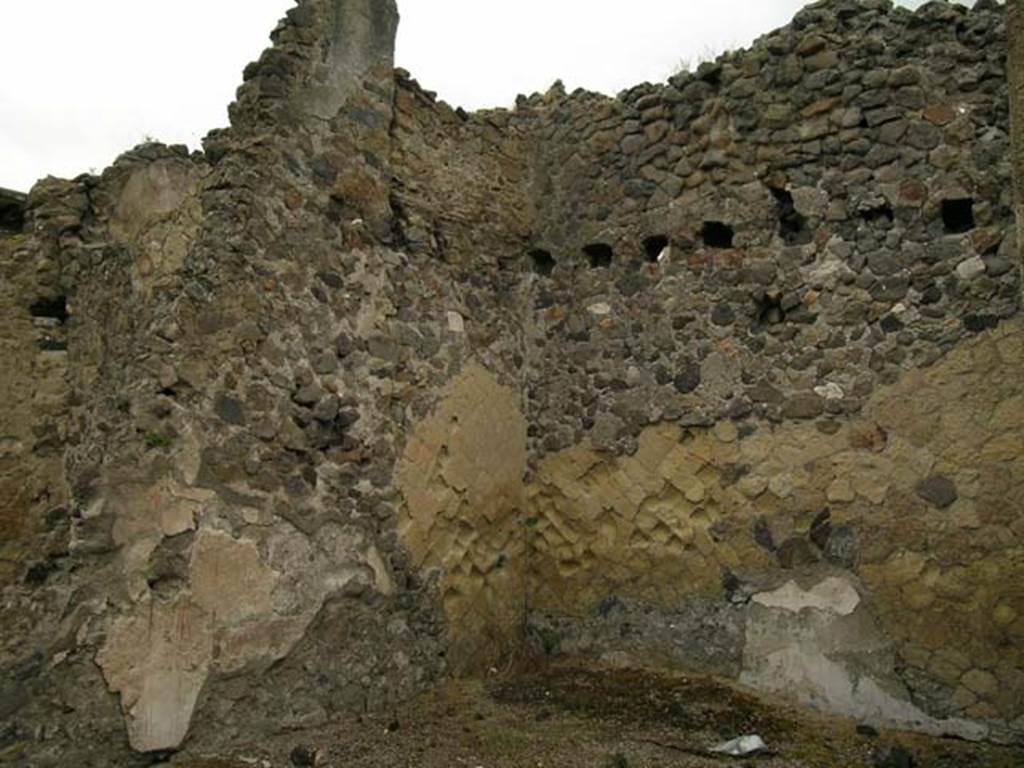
x=373 y=389
x=633 y=527
x=461 y=476
x=938 y=490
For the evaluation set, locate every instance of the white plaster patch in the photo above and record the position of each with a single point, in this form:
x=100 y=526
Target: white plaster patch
x=229 y=578
x=833 y=595
x=805 y=672
x=832 y=657
x=158 y=660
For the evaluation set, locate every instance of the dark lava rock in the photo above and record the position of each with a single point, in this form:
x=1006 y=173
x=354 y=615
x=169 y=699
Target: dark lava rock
x=230 y=410
x=308 y=395
x=938 y=490
x=890 y=289
x=723 y=315
x=997 y=266
x=331 y=279
x=305 y=756
x=980 y=323
x=892 y=757
x=37 y=573
x=842 y=546
x=344 y=345
x=325 y=364
x=838 y=543
x=892 y=324
x=688 y=380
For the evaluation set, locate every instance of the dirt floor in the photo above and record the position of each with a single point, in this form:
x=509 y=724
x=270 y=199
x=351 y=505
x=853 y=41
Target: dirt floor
x=576 y=715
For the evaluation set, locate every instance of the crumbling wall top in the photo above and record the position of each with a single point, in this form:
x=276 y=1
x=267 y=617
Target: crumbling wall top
x=323 y=52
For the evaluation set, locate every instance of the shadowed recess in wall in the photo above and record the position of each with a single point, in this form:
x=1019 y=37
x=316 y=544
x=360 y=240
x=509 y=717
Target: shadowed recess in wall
x=958 y=215
x=881 y=215
x=792 y=225
x=599 y=255
x=716 y=234
x=51 y=308
x=542 y=262
x=654 y=248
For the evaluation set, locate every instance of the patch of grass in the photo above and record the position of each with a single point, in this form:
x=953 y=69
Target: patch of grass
x=502 y=741
x=155 y=440
x=14 y=752
x=550 y=641
x=708 y=54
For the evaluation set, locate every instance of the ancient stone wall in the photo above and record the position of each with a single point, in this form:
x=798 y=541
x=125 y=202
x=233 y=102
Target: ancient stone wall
x=776 y=245
x=913 y=512
x=788 y=228
x=1015 y=76
x=721 y=373
x=462 y=183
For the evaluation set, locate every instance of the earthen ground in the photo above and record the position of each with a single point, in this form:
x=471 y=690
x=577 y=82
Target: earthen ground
x=581 y=715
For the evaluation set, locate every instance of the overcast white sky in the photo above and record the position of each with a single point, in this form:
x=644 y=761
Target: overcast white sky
x=83 y=80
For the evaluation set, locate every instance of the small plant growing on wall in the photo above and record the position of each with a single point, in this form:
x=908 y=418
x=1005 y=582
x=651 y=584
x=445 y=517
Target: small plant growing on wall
x=690 y=63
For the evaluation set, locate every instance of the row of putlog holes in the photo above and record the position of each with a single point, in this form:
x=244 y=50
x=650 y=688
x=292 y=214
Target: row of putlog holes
x=957 y=218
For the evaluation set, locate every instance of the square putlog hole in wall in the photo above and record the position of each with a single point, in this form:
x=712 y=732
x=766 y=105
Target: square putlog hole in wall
x=655 y=247
x=542 y=262
x=715 y=234
x=879 y=216
x=599 y=255
x=51 y=308
x=958 y=215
